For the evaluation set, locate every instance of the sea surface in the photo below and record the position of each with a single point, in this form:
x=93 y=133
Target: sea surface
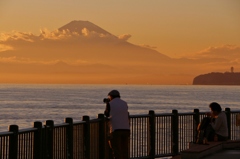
x=23 y=104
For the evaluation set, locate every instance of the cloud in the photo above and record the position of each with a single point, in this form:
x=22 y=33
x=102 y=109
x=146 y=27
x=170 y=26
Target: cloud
x=57 y=35
x=46 y=34
x=14 y=39
x=16 y=60
x=93 y=34
x=216 y=53
x=16 y=36
x=124 y=37
x=8 y=59
x=4 y=47
x=224 y=51
x=85 y=32
x=148 y=46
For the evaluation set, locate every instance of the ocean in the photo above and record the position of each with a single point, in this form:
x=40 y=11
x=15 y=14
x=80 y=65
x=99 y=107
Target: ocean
x=22 y=104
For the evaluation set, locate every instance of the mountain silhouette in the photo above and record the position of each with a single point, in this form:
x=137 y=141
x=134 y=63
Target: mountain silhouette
x=78 y=26
x=97 y=45
x=111 y=48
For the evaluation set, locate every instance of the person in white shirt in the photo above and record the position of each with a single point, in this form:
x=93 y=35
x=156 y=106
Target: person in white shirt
x=219 y=122
x=117 y=113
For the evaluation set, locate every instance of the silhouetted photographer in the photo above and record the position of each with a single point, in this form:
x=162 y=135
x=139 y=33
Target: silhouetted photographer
x=117 y=113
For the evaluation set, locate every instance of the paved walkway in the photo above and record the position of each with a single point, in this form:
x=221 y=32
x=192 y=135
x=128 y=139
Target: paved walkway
x=225 y=154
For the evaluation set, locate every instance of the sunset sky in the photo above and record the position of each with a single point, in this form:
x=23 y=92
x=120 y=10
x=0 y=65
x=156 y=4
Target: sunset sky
x=173 y=40
x=172 y=27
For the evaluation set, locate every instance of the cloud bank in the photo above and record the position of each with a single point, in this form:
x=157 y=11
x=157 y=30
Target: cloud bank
x=224 y=51
x=45 y=34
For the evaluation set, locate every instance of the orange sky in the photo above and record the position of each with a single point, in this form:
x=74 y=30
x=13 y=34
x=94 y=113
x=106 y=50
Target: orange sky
x=172 y=27
x=204 y=30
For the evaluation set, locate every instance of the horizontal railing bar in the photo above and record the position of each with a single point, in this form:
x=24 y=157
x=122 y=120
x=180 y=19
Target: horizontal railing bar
x=6 y=133
x=164 y=114
x=202 y=113
x=94 y=120
x=139 y=116
x=79 y=123
x=187 y=114
x=60 y=125
x=235 y=111
x=21 y=131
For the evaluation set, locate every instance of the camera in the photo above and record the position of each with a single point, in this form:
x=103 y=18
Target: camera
x=106 y=100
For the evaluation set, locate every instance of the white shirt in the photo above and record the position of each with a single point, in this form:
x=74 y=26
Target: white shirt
x=118 y=115
x=220 y=124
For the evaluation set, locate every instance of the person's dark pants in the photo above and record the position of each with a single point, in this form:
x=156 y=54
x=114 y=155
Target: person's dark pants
x=210 y=133
x=119 y=142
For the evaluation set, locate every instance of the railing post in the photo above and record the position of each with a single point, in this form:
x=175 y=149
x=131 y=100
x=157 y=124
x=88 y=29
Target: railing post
x=102 y=139
x=175 y=132
x=86 y=137
x=49 y=138
x=228 y=114
x=69 y=137
x=152 y=133
x=196 y=121
x=37 y=150
x=13 y=142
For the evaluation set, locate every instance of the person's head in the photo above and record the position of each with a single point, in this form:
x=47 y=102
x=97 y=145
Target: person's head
x=114 y=94
x=215 y=107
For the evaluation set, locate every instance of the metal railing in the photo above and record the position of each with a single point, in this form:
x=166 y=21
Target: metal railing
x=152 y=136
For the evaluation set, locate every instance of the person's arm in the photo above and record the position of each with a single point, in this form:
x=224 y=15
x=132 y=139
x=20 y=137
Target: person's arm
x=210 y=115
x=107 y=110
x=218 y=123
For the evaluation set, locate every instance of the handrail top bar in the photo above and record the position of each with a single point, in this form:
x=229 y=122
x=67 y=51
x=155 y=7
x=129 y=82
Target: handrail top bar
x=60 y=125
x=79 y=122
x=6 y=133
x=235 y=111
x=169 y=114
x=27 y=130
x=94 y=120
x=163 y=114
x=140 y=115
x=187 y=113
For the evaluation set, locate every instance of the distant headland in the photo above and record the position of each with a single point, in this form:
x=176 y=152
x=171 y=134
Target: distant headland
x=218 y=78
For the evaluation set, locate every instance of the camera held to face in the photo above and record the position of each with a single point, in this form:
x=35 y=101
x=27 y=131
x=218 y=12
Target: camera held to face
x=106 y=100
